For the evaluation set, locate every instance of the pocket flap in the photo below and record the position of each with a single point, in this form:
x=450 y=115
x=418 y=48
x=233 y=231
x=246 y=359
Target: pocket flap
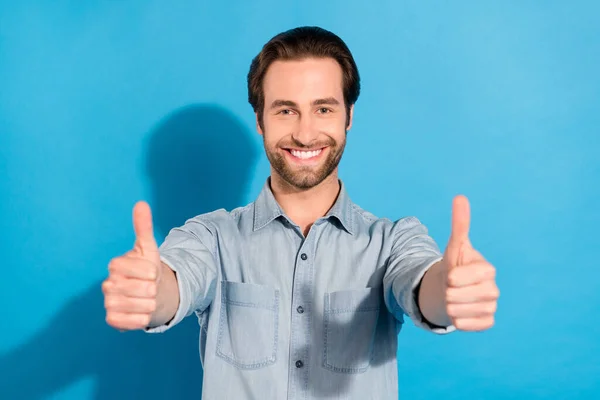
x=365 y=299
x=249 y=295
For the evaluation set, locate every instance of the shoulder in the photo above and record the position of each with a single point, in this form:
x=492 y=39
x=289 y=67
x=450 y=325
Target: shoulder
x=222 y=219
x=364 y=217
x=390 y=228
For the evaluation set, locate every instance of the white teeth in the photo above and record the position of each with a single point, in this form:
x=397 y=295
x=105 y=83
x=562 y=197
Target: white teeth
x=306 y=154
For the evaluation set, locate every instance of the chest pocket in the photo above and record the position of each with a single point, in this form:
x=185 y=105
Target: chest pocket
x=248 y=325
x=350 y=321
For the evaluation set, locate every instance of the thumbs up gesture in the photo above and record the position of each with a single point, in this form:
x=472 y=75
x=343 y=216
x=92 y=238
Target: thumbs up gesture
x=130 y=291
x=471 y=292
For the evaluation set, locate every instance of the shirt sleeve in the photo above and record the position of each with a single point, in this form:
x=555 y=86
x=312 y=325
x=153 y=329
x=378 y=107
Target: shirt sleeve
x=413 y=253
x=190 y=252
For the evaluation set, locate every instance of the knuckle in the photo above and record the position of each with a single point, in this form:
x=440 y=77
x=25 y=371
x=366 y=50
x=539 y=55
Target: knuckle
x=110 y=302
x=114 y=264
x=152 y=289
x=486 y=271
x=153 y=272
x=152 y=305
x=111 y=266
x=494 y=293
x=145 y=320
x=112 y=320
x=452 y=278
x=451 y=310
x=130 y=253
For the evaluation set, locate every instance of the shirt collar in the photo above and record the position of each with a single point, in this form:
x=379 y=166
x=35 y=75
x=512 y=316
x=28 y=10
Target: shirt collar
x=266 y=208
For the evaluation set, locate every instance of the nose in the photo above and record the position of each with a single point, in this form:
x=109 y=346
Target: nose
x=306 y=131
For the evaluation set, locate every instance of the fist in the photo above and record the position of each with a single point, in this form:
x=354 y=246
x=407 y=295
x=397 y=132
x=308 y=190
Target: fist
x=130 y=291
x=471 y=290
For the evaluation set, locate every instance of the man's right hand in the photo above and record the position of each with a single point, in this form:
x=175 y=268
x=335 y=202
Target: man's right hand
x=130 y=291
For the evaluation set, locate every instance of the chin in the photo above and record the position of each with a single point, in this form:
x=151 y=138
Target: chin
x=304 y=180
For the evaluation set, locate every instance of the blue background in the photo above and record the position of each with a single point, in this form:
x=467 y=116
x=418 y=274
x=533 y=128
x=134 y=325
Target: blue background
x=105 y=103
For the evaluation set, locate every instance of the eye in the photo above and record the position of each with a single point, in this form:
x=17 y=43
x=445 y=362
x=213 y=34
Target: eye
x=286 y=111
x=324 y=110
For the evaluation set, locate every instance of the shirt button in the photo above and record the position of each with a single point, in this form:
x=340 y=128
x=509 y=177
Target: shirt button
x=303 y=256
x=299 y=364
x=300 y=309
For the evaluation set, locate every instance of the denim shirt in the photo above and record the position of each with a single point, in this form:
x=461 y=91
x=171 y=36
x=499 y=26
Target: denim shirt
x=284 y=316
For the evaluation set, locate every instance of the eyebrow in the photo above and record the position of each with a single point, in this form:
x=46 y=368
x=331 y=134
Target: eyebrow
x=319 y=102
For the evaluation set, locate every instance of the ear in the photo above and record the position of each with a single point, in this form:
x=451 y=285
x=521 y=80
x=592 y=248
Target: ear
x=350 y=118
x=258 y=128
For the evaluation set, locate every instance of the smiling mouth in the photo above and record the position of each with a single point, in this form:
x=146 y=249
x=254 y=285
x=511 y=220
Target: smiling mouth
x=305 y=155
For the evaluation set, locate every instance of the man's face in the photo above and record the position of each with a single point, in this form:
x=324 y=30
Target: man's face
x=304 y=120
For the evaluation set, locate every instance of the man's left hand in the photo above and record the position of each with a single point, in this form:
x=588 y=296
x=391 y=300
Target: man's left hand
x=471 y=291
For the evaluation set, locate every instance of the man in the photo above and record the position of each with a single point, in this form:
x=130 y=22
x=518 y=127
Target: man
x=301 y=294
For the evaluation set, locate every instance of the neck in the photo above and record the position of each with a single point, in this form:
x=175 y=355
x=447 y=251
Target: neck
x=305 y=206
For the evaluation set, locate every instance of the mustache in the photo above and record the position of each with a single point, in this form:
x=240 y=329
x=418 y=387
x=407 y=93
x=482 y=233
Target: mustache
x=292 y=142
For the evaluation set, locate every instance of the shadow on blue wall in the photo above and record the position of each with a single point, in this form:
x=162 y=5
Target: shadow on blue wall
x=199 y=158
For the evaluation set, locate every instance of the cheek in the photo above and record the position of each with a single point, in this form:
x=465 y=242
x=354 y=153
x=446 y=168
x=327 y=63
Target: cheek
x=277 y=130
x=273 y=133
x=333 y=128
x=277 y=126
x=332 y=123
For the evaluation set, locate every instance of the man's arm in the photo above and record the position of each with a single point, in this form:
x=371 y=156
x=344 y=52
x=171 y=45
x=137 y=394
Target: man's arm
x=167 y=298
x=432 y=295
x=413 y=254
x=190 y=274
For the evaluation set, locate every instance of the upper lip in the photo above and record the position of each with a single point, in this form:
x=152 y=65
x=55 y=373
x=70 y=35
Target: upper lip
x=295 y=149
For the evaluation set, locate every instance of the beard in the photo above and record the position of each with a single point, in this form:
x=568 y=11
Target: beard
x=304 y=177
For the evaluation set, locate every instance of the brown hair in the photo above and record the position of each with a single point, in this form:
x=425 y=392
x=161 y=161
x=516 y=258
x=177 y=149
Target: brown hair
x=296 y=44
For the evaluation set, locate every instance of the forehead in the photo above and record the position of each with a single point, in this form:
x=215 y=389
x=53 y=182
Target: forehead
x=305 y=79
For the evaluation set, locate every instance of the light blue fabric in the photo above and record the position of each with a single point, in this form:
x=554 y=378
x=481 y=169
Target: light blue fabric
x=285 y=316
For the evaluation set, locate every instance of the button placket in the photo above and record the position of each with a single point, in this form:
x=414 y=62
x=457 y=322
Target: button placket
x=301 y=319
